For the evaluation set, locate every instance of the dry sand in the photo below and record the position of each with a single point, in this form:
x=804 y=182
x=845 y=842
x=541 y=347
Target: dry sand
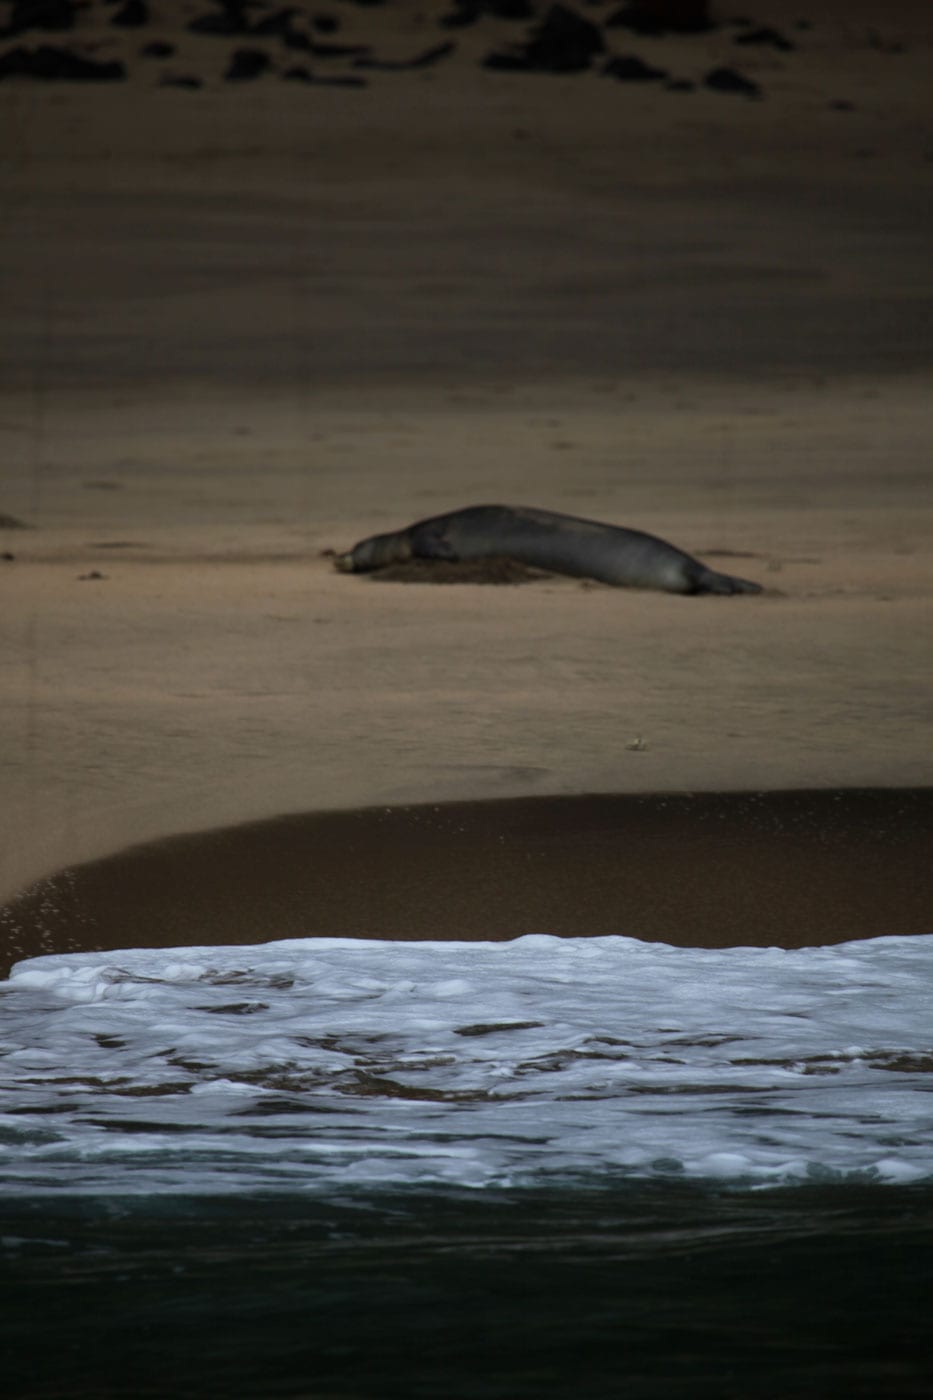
x=245 y=324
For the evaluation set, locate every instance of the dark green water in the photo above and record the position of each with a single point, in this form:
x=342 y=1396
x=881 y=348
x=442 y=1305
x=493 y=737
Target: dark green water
x=660 y=1291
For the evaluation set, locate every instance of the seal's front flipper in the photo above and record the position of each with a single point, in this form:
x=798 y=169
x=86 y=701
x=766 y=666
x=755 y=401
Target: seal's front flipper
x=430 y=542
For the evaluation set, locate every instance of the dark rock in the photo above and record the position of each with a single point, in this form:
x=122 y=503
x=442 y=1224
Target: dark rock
x=246 y=64
x=230 y=18
x=12 y=522
x=50 y=62
x=563 y=42
x=157 y=49
x=728 y=80
x=279 y=25
x=680 y=85
x=132 y=15
x=662 y=17
x=40 y=14
x=772 y=38
x=181 y=82
x=298 y=74
x=421 y=60
x=294 y=39
x=317 y=50
x=459 y=18
x=469 y=11
x=631 y=69
x=325 y=24
x=841 y=104
x=7 y=557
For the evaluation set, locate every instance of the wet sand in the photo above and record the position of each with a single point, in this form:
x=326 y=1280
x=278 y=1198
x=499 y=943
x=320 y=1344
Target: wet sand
x=247 y=324
x=710 y=870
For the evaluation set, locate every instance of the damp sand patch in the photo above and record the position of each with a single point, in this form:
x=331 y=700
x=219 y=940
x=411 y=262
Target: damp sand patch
x=707 y=870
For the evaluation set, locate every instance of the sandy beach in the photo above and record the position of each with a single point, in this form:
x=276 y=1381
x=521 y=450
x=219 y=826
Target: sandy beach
x=250 y=322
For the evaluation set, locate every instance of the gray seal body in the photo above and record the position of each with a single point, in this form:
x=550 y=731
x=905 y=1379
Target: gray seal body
x=544 y=539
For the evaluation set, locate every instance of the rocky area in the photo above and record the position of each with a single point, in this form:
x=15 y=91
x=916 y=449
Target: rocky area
x=662 y=42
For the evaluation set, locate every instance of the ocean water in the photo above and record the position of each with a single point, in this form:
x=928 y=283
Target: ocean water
x=545 y=1167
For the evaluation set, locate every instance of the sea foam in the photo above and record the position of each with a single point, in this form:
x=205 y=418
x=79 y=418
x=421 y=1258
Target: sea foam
x=323 y=1064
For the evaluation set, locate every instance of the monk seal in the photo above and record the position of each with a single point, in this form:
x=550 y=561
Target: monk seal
x=544 y=539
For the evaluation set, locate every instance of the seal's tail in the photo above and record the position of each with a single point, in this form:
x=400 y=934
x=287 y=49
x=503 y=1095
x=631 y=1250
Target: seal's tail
x=725 y=584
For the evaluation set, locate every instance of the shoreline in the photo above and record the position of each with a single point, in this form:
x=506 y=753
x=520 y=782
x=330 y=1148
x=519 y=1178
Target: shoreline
x=713 y=870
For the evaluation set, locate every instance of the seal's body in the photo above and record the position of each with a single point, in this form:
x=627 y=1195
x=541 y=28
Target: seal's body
x=543 y=539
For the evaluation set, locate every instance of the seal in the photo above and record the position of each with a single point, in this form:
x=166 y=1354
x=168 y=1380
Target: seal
x=544 y=539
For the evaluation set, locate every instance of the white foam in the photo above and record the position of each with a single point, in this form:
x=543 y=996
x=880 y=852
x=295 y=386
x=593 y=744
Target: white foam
x=317 y=1063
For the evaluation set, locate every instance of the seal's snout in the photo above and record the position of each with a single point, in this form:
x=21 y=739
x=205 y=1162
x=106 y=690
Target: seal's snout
x=344 y=562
